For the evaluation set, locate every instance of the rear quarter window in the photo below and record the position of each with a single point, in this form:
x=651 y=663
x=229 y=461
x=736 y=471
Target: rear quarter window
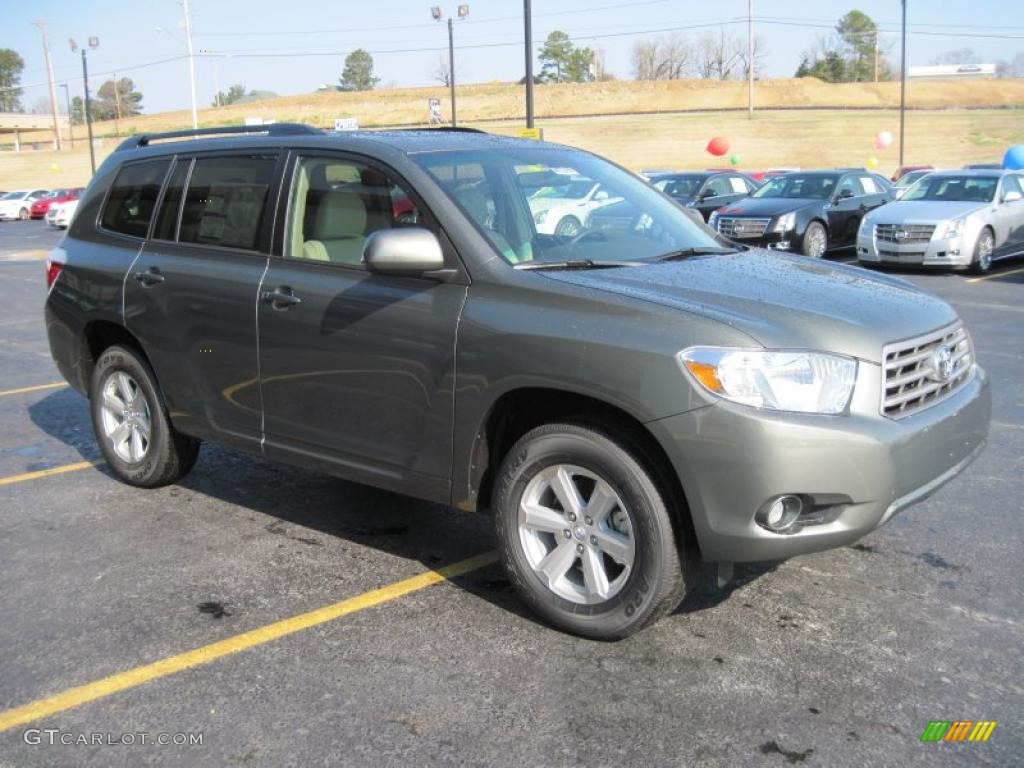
x=132 y=198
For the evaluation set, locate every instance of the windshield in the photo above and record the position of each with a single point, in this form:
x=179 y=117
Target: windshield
x=798 y=185
x=961 y=189
x=630 y=222
x=909 y=178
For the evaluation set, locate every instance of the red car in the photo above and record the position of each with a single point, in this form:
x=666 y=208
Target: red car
x=42 y=205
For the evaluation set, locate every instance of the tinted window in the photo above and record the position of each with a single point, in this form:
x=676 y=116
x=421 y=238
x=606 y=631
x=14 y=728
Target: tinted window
x=167 y=220
x=133 y=196
x=795 y=185
x=336 y=204
x=225 y=201
x=717 y=186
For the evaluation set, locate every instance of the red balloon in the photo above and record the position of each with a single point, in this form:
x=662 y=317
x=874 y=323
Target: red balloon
x=718 y=146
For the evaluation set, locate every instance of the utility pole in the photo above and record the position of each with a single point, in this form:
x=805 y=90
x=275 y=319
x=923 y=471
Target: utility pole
x=41 y=25
x=750 y=59
x=71 y=123
x=528 y=24
x=191 y=61
x=88 y=110
x=117 y=102
x=876 y=54
x=903 y=77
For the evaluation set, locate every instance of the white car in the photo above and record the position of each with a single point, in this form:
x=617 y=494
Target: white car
x=564 y=208
x=60 y=215
x=18 y=205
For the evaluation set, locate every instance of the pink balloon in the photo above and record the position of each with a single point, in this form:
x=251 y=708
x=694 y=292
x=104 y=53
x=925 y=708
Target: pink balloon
x=883 y=140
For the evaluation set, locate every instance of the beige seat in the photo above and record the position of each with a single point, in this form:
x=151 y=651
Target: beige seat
x=339 y=229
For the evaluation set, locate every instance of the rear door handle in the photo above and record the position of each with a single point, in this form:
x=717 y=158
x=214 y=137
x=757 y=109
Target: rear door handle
x=281 y=298
x=151 y=276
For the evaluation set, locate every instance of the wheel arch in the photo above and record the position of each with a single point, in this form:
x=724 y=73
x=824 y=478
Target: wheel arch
x=520 y=410
x=98 y=335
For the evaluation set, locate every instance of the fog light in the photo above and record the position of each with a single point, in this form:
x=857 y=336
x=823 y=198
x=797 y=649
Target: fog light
x=780 y=514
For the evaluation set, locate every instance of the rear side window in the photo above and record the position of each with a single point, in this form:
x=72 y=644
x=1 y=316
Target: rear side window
x=225 y=201
x=132 y=198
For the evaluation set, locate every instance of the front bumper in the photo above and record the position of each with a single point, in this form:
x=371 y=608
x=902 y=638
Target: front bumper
x=854 y=471
x=938 y=252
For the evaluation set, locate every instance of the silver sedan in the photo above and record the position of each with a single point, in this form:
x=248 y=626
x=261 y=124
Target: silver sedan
x=948 y=219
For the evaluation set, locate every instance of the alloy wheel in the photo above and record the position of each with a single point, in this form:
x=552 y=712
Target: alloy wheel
x=985 y=247
x=125 y=417
x=576 y=533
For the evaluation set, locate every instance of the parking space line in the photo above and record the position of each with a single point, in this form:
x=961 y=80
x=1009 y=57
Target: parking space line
x=994 y=274
x=24 y=477
x=36 y=388
x=107 y=686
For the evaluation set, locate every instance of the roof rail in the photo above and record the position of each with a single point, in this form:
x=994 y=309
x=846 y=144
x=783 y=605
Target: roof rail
x=271 y=129
x=451 y=128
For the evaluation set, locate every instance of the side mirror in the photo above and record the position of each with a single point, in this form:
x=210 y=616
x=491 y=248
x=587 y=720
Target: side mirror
x=1012 y=196
x=845 y=194
x=407 y=252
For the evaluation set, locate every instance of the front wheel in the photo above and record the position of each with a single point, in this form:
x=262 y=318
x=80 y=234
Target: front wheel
x=23 y=214
x=815 y=240
x=131 y=425
x=983 y=250
x=585 y=533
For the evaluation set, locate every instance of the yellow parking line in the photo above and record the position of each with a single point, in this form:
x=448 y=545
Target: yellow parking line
x=36 y=388
x=26 y=476
x=994 y=274
x=131 y=678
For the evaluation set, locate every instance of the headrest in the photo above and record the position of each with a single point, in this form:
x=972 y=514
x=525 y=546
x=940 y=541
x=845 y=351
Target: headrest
x=341 y=213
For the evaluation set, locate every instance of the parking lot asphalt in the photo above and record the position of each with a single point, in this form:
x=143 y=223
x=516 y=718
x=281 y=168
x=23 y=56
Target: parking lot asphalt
x=838 y=658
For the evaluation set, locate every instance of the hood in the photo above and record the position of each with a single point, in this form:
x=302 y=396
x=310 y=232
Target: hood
x=900 y=211
x=766 y=206
x=782 y=301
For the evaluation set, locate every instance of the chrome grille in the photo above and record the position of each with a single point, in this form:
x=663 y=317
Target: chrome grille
x=731 y=226
x=908 y=234
x=923 y=371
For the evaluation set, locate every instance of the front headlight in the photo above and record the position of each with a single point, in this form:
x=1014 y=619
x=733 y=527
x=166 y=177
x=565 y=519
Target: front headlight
x=785 y=222
x=953 y=228
x=800 y=381
x=713 y=219
x=538 y=218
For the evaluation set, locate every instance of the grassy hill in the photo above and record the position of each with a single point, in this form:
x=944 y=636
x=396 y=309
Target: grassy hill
x=954 y=122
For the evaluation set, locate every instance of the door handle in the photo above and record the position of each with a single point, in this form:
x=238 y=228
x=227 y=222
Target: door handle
x=151 y=276
x=281 y=298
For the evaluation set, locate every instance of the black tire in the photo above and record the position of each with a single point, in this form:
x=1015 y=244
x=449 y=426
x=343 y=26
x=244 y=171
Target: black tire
x=809 y=246
x=568 y=226
x=980 y=265
x=657 y=582
x=169 y=455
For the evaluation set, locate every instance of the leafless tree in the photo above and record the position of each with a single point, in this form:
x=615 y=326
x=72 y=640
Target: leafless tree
x=442 y=72
x=720 y=56
x=760 y=53
x=662 y=58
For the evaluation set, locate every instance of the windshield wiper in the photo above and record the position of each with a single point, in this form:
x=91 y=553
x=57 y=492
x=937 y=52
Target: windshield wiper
x=684 y=253
x=575 y=264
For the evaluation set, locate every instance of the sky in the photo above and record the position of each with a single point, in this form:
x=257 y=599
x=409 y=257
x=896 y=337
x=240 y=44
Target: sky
x=295 y=46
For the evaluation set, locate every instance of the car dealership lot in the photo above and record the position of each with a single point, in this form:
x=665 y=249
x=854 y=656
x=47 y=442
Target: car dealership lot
x=839 y=658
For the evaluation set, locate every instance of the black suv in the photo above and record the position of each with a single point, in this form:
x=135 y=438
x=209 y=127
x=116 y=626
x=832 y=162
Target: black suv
x=705 y=191
x=808 y=212
x=381 y=306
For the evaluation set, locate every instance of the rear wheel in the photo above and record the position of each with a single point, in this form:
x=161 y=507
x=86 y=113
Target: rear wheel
x=131 y=425
x=983 y=250
x=568 y=226
x=23 y=214
x=585 y=534
x=815 y=240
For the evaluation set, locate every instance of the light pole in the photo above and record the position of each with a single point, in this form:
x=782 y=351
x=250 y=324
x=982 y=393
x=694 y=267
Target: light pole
x=903 y=77
x=438 y=15
x=750 y=58
x=528 y=31
x=71 y=124
x=191 y=61
x=94 y=42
